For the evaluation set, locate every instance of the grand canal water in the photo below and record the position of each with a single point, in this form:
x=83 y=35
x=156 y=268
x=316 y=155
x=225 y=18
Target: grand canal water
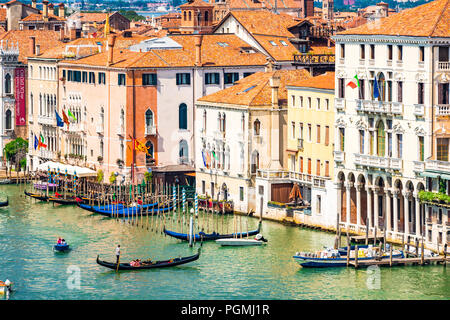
x=28 y=229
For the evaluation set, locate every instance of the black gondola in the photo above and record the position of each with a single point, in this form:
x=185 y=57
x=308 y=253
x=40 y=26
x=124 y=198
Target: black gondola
x=4 y=203
x=69 y=201
x=36 y=196
x=157 y=264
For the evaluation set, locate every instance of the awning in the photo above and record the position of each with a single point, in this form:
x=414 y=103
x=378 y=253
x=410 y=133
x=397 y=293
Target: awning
x=191 y=174
x=429 y=174
x=445 y=176
x=71 y=170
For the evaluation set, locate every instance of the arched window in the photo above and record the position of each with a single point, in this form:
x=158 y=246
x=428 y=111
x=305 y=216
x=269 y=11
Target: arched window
x=184 y=156
x=184 y=15
x=149 y=118
x=8 y=83
x=255 y=161
x=380 y=139
x=190 y=16
x=101 y=148
x=204 y=120
x=182 y=116
x=206 y=16
x=149 y=159
x=256 y=127
x=102 y=117
x=381 y=87
x=8 y=120
x=223 y=123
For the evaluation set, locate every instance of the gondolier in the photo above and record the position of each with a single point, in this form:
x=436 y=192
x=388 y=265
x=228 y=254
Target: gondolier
x=117 y=253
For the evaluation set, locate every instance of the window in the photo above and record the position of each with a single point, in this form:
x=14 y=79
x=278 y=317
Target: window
x=318 y=103
x=341 y=88
x=84 y=77
x=273 y=43
x=8 y=120
x=300 y=161
x=342 y=138
x=231 y=77
x=318 y=133
x=327 y=103
x=327 y=168
x=183 y=78
x=293 y=129
x=380 y=139
x=421 y=54
x=101 y=78
x=283 y=43
x=362 y=51
x=256 y=127
x=183 y=152
x=7 y=83
x=389 y=54
x=420 y=93
x=148 y=119
x=327 y=135
x=318 y=168
x=309 y=165
x=149 y=79
x=91 y=77
x=399 y=145
x=293 y=100
x=399 y=53
x=400 y=91
x=389 y=90
x=442 y=149
x=421 y=149
x=309 y=103
x=246 y=74
x=301 y=130
x=149 y=159
x=301 y=101
x=212 y=78
x=362 y=89
x=361 y=141
x=101 y=148
x=372 y=51
x=309 y=132
x=121 y=79
x=182 y=116
x=203 y=183
x=342 y=46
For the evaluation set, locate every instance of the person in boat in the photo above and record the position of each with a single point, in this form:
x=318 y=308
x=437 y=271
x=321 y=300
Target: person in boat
x=59 y=240
x=117 y=253
x=259 y=237
x=63 y=242
x=139 y=200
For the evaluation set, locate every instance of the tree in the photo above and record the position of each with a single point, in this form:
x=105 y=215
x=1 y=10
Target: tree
x=15 y=152
x=148 y=176
x=112 y=178
x=100 y=175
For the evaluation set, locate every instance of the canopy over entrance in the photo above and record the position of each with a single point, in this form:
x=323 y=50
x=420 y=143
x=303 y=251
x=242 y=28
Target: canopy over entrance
x=71 y=170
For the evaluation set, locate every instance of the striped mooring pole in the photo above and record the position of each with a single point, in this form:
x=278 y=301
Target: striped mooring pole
x=196 y=204
x=184 y=200
x=174 y=197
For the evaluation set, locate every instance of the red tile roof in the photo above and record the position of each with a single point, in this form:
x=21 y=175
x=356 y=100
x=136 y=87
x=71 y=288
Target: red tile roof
x=40 y=17
x=323 y=81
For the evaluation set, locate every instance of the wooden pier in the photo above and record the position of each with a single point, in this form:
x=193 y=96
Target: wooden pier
x=398 y=262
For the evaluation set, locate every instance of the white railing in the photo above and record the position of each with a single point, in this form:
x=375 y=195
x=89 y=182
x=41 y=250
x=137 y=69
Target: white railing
x=339 y=156
x=120 y=130
x=419 y=110
x=376 y=106
x=150 y=130
x=339 y=103
x=443 y=65
x=442 y=109
x=47 y=120
x=419 y=166
x=397 y=108
x=316 y=181
x=378 y=162
x=437 y=165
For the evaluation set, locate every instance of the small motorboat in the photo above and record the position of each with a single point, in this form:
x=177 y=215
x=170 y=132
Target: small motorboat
x=61 y=247
x=5 y=287
x=4 y=203
x=259 y=240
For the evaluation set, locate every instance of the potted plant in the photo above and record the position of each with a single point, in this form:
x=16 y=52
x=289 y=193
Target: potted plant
x=100 y=159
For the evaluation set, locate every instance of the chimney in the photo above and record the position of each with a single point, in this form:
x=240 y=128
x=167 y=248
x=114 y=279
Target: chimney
x=32 y=46
x=61 y=10
x=269 y=65
x=275 y=85
x=111 y=42
x=33 y=3
x=45 y=10
x=198 y=50
x=62 y=34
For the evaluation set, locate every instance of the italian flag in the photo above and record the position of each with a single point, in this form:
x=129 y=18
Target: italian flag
x=354 y=82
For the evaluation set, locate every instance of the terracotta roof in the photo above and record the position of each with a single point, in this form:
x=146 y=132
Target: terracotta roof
x=263 y=22
x=283 y=50
x=197 y=3
x=428 y=20
x=90 y=16
x=44 y=38
x=323 y=81
x=263 y=4
x=212 y=54
x=39 y=17
x=3 y=15
x=255 y=90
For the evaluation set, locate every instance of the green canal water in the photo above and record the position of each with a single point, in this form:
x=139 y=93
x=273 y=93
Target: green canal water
x=28 y=229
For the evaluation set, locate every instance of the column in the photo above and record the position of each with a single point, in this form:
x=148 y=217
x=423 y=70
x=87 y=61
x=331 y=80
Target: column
x=406 y=211
x=348 y=187
x=339 y=202
x=376 y=208
x=416 y=197
x=387 y=218
x=359 y=188
x=369 y=206
x=396 y=193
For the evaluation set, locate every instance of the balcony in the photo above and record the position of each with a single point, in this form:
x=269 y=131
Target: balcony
x=258 y=138
x=150 y=130
x=442 y=109
x=219 y=135
x=339 y=103
x=399 y=63
x=300 y=144
x=99 y=129
x=49 y=121
x=419 y=110
x=314 y=59
x=378 y=162
x=339 y=156
x=443 y=66
x=120 y=131
x=376 y=106
x=437 y=165
x=419 y=166
x=316 y=181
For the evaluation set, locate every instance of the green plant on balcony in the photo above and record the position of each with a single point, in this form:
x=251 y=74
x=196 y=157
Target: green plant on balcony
x=276 y=204
x=439 y=197
x=442 y=186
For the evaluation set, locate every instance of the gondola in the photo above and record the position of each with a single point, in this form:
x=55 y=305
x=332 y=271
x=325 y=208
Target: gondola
x=201 y=236
x=92 y=208
x=36 y=196
x=69 y=201
x=4 y=203
x=157 y=264
x=129 y=212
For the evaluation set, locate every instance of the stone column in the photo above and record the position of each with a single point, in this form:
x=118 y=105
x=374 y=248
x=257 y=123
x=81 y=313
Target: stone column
x=348 y=187
x=359 y=188
x=416 y=197
x=396 y=193
x=339 y=200
x=376 y=209
x=387 y=218
x=406 y=211
x=369 y=206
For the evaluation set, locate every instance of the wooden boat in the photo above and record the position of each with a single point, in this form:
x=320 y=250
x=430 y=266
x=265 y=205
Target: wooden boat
x=36 y=196
x=332 y=258
x=236 y=242
x=128 y=212
x=68 y=201
x=152 y=265
x=201 y=236
x=92 y=208
x=61 y=247
x=4 y=288
x=4 y=203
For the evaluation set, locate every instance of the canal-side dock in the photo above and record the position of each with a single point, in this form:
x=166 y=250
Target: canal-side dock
x=398 y=262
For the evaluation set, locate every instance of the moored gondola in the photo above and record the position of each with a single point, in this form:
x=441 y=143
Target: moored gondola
x=36 y=196
x=201 y=236
x=4 y=203
x=150 y=264
x=68 y=201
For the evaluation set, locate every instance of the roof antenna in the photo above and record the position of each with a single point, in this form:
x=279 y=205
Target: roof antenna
x=276 y=6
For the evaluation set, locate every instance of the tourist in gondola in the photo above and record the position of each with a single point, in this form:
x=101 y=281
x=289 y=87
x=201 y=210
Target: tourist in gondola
x=59 y=240
x=117 y=253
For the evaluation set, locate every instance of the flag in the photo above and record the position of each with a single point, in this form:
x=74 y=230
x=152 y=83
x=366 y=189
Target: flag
x=71 y=115
x=214 y=154
x=204 y=158
x=59 y=121
x=139 y=146
x=354 y=82
x=66 y=120
x=41 y=142
x=36 y=142
x=376 y=92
